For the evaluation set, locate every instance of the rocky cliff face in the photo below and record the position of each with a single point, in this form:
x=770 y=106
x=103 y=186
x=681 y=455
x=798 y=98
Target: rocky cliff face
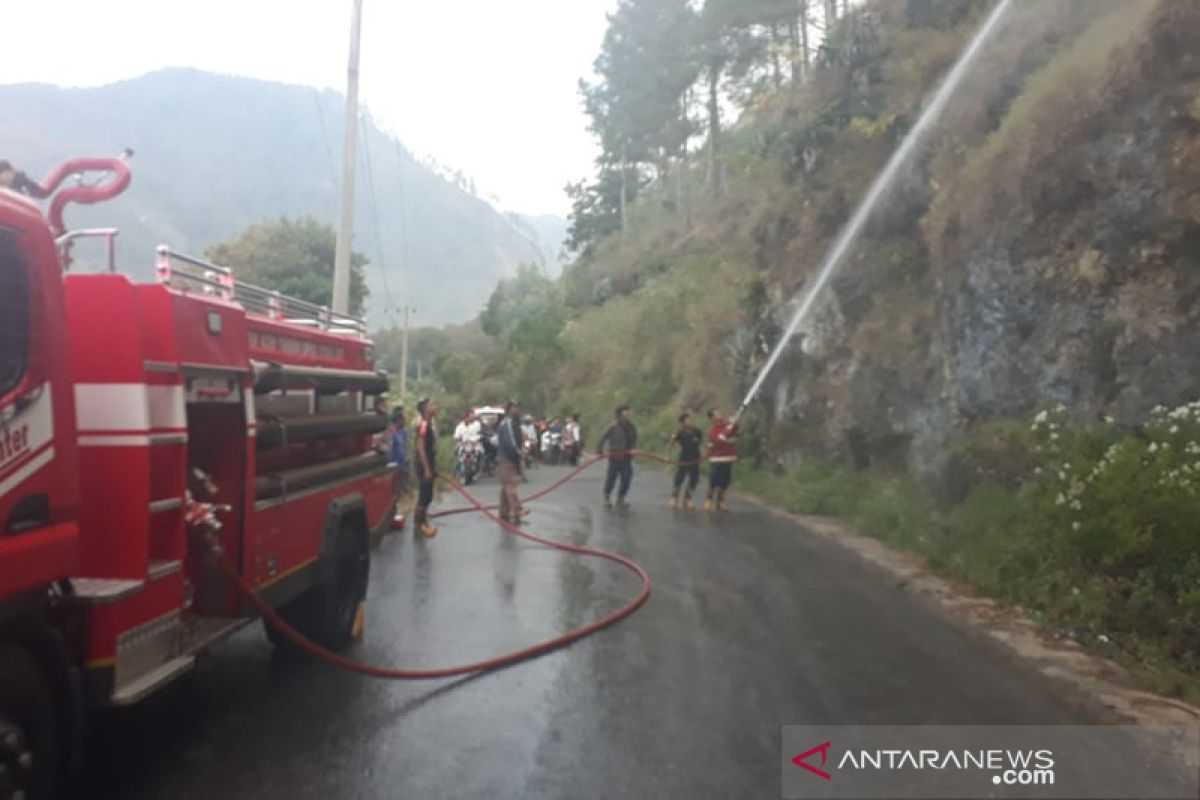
x=1046 y=253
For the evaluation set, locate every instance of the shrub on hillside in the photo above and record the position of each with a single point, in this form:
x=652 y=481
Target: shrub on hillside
x=1092 y=528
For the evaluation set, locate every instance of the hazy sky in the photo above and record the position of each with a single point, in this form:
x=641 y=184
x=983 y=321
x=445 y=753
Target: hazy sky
x=485 y=86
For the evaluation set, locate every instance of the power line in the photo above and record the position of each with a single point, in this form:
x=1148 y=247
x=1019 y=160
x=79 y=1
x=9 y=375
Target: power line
x=325 y=137
x=387 y=292
x=403 y=216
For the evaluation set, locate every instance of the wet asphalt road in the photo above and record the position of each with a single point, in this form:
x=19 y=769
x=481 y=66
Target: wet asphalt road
x=753 y=623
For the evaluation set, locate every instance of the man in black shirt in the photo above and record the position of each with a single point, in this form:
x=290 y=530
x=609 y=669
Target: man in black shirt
x=689 y=439
x=621 y=438
x=426 y=462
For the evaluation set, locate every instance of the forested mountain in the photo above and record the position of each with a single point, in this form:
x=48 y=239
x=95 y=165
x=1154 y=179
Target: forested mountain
x=215 y=154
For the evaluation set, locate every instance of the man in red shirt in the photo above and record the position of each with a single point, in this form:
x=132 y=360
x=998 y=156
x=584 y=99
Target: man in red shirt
x=722 y=455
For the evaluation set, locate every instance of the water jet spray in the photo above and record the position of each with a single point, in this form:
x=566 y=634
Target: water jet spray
x=879 y=187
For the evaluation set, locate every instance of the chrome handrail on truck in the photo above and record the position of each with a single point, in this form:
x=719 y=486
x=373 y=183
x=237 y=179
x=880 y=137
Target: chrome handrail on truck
x=68 y=239
x=191 y=273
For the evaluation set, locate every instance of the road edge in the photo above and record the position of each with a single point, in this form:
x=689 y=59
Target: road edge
x=1056 y=657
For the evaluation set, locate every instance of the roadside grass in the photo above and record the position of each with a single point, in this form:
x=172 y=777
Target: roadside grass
x=1092 y=532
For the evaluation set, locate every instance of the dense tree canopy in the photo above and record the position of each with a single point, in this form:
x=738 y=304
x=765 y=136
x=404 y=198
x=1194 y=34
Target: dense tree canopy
x=294 y=257
x=667 y=72
x=525 y=315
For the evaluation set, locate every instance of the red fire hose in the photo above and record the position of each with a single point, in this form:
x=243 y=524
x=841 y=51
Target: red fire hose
x=507 y=659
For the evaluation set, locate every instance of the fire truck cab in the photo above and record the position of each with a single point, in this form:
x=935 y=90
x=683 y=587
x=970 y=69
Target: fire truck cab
x=159 y=443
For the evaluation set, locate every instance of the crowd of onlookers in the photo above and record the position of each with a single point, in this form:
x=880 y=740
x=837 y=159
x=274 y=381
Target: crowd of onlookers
x=505 y=441
x=478 y=446
x=542 y=440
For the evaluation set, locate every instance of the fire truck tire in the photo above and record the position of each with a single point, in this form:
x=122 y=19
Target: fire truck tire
x=28 y=735
x=326 y=613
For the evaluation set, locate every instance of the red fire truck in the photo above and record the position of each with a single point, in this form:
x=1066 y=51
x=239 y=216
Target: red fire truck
x=157 y=439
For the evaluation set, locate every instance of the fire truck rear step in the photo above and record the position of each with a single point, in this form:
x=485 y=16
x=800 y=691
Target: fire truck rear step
x=176 y=643
x=105 y=590
x=163 y=568
x=206 y=631
x=147 y=683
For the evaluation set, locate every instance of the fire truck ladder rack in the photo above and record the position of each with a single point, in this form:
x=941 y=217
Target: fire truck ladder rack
x=189 y=273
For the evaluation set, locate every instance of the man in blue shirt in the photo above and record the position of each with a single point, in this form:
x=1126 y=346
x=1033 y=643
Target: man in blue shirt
x=398 y=453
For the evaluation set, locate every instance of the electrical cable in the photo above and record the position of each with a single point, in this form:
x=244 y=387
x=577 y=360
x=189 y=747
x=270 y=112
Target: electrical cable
x=390 y=308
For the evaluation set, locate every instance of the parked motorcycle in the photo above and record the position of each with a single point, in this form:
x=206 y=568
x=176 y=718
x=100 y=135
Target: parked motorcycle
x=527 y=451
x=468 y=461
x=491 y=448
x=551 y=449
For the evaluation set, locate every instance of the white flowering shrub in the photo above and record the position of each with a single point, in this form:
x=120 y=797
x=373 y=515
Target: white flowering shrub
x=1095 y=530
x=1122 y=526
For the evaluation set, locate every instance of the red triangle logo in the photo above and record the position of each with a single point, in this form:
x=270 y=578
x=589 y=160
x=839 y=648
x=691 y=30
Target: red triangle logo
x=802 y=760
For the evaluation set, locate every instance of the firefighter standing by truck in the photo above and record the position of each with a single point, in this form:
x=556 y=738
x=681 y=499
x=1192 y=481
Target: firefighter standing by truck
x=426 y=466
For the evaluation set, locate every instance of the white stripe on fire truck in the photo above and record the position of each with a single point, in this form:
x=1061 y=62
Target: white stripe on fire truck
x=111 y=407
x=129 y=407
x=25 y=472
x=28 y=430
x=251 y=416
x=131 y=439
x=166 y=407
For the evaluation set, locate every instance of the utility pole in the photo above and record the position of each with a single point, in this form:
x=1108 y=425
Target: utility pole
x=404 y=354
x=624 y=191
x=341 y=261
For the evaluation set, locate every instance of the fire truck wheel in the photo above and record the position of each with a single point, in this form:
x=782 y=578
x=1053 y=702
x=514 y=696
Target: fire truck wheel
x=326 y=612
x=347 y=592
x=28 y=749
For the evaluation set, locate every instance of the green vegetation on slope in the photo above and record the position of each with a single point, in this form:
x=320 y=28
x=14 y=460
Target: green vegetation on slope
x=1042 y=250
x=1092 y=530
x=293 y=257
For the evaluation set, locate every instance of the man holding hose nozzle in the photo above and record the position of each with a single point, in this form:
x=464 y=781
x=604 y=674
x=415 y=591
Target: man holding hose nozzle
x=621 y=438
x=722 y=455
